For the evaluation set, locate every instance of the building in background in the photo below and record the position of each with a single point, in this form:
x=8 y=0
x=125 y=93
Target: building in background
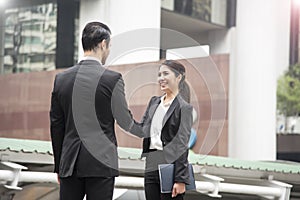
x=250 y=43
x=30 y=38
x=36 y=34
x=257 y=47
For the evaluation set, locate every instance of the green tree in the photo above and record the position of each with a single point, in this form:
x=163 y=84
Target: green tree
x=288 y=93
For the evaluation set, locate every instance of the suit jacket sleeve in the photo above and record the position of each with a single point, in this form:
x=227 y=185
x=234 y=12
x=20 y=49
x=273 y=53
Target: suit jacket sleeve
x=121 y=112
x=57 y=126
x=181 y=164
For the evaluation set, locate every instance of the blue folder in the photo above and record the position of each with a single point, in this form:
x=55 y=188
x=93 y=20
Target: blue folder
x=166 y=176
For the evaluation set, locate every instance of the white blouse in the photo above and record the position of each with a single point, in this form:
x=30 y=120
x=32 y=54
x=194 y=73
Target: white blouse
x=156 y=125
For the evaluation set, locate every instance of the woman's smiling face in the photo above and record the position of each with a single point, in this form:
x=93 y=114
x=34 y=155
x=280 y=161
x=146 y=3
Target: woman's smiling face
x=167 y=80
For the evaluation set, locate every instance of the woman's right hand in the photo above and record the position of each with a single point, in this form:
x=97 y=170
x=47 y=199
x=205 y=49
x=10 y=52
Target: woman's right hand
x=178 y=188
x=58 y=179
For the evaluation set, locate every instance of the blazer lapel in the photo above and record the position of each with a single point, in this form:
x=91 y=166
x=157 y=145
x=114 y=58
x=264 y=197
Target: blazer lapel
x=170 y=111
x=153 y=107
x=150 y=112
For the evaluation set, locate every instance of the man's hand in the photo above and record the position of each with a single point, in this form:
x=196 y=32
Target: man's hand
x=178 y=188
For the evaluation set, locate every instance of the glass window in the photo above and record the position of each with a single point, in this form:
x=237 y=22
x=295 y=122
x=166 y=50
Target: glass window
x=212 y=11
x=30 y=38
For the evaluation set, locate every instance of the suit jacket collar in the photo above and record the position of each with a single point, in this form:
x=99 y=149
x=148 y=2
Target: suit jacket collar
x=88 y=62
x=91 y=58
x=170 y=110
x=154 y=106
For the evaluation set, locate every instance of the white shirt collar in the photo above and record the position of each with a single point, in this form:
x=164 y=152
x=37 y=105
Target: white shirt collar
x=162 y=101
x=91 y=58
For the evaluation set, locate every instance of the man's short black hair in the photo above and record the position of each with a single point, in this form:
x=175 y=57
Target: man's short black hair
x=93 y=34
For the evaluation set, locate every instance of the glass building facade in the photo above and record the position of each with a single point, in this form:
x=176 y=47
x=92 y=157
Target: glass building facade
x=211 y=11
x=28 y=37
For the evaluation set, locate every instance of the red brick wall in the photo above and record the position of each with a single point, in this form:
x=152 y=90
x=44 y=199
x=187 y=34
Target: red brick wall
x=25 y=101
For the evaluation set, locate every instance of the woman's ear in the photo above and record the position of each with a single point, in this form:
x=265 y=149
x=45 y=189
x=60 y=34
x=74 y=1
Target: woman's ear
x=179 y=77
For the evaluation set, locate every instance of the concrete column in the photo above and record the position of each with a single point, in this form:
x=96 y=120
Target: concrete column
x=66 y=13
x=261 y=47
x=2 y=32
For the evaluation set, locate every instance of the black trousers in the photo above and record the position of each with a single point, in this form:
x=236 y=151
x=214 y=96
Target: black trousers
x=152 y=183
x=95 y=188
x=152 y=192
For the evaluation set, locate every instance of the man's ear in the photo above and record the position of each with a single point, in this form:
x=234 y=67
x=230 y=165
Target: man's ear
x=103 y=44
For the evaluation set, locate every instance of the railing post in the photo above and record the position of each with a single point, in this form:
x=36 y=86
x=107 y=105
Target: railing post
x=16 y=175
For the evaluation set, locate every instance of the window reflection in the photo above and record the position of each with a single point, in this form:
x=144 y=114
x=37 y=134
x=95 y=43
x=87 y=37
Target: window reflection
x=30 y=38
x=212 y=11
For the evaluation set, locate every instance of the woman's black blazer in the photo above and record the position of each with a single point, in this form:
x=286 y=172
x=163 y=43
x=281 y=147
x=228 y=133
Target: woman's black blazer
x=175 y=134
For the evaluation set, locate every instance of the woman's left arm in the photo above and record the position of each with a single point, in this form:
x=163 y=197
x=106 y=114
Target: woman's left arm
x=181 y=164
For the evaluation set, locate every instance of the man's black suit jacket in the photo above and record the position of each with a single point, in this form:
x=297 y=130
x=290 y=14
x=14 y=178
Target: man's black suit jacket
x=86 y=101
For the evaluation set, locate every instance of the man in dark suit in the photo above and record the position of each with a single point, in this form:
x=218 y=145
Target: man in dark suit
x=86 y=101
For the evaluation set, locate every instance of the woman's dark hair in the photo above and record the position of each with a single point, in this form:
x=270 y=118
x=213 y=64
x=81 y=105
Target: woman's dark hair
x=93 y=34
x=178 y=68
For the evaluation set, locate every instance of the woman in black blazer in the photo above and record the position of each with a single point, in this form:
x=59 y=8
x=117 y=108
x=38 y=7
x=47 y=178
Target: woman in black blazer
x=167 y=124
